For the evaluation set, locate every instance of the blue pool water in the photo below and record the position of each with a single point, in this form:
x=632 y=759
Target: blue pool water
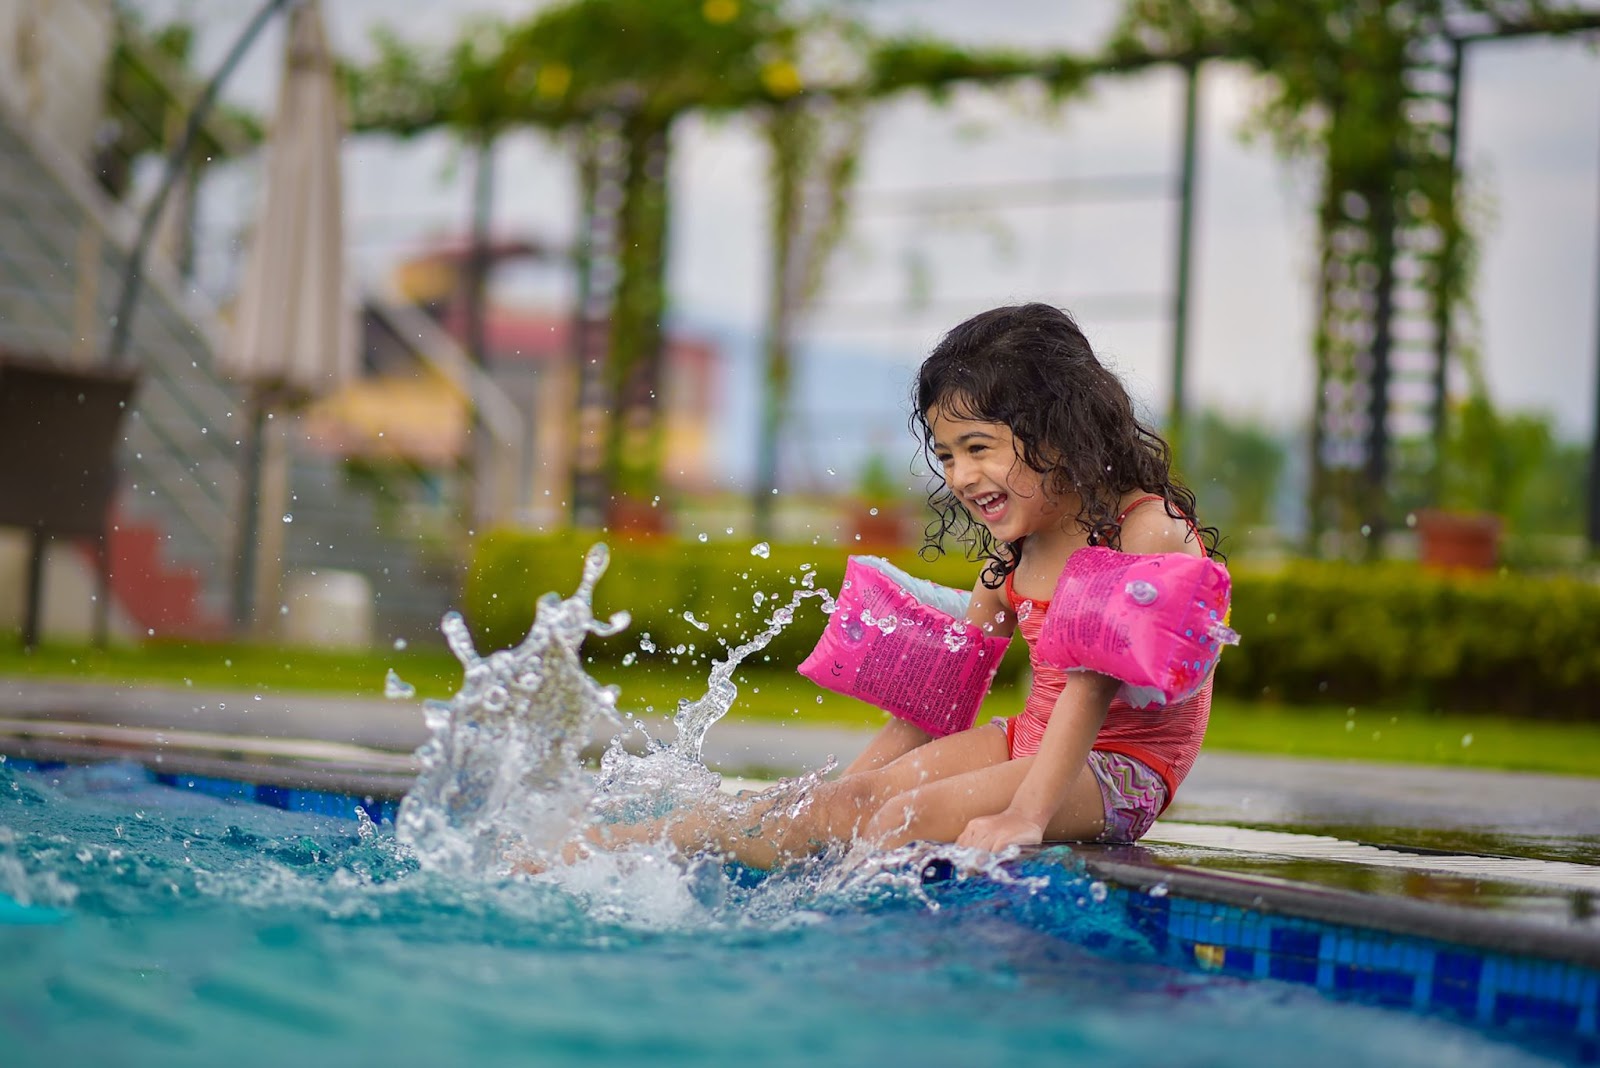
x=142 y=924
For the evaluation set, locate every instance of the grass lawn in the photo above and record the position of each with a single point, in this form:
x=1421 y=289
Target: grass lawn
x=774 y=696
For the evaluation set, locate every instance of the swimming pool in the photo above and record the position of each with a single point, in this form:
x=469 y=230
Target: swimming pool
x=147 y=922
x=152 y=915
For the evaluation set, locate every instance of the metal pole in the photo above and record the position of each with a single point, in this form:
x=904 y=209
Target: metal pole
x=1375 y=505
x=244 y=549
x=1180 y=297
x=1594 y=445
x=1443 y=311
x=132 y=275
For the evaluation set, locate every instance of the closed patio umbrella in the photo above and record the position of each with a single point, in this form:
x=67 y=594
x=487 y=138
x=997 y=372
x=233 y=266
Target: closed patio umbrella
x=294 y=331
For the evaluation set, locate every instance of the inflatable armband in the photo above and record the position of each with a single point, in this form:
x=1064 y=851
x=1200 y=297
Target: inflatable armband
x=1157 y=621
x=901 y=643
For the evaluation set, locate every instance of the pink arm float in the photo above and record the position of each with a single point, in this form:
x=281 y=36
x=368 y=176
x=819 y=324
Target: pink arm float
x=1157 y=621
x=901 y=643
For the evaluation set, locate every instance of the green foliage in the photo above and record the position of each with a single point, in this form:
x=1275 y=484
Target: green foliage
x=1389 y=636
x=1515 y=467
x=1398 y=637
x=658 y=581
x=150 y=84
x=1234 y=467
x=569 y=62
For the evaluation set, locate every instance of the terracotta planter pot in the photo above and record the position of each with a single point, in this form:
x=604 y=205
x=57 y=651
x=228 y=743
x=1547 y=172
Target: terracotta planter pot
x=881 y=532
x=636 y=519
x=1458 y=540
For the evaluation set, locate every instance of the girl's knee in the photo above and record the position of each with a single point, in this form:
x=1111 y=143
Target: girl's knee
x=893 y=819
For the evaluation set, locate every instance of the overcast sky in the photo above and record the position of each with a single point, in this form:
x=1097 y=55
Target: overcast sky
x=1531 y=145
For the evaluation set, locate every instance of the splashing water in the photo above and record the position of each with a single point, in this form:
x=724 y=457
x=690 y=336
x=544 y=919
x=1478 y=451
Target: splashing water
x=501 y=777
x=501 y=763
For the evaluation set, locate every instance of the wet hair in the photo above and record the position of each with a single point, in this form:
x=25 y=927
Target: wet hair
x=1030 y=367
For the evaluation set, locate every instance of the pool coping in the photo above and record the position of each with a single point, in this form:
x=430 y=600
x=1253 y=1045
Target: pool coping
x=1137 y=868
x=372 y=774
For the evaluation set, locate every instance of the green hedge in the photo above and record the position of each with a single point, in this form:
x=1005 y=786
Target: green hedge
x=1399 y=636
x=659 y=580
x=1391 y=635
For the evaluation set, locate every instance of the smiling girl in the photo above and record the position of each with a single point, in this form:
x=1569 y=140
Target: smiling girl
x=1041 y=454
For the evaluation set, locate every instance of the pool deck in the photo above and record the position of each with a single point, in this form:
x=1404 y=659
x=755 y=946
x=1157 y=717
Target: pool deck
x=1509 y=860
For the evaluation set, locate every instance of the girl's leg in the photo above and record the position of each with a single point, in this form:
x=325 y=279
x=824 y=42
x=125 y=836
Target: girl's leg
x=779 y=830
x=895 y=740
x=939 y=811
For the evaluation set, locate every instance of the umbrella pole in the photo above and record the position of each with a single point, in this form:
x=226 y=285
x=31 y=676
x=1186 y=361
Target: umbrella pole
x=245 y=561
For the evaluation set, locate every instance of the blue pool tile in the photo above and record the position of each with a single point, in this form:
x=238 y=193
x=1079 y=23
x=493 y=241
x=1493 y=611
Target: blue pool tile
x=1294 y=954
x=1541 y=1012
x=1385 y=986
x=275 y=796
x=1151 y=917
x=1239 y=961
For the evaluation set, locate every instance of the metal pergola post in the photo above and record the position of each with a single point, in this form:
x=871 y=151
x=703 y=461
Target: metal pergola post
x=1594 y=438
x=1180 y=289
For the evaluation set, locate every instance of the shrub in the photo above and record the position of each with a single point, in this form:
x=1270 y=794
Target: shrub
x=658 y=581
x=1400 y=636
x=1389 y=635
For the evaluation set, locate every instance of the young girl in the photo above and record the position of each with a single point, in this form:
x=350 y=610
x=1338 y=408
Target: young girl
x=1041 y=455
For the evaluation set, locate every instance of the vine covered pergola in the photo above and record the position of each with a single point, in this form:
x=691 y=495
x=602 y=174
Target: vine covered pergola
x=1368 y=88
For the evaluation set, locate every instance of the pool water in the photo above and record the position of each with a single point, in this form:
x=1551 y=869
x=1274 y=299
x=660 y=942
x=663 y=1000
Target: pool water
x=141 y=924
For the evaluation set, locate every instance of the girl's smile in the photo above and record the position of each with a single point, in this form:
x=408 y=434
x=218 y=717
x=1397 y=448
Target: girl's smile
x=984 y=469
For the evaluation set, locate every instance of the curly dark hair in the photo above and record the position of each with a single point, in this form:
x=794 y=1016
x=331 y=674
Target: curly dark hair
x=1030 y=367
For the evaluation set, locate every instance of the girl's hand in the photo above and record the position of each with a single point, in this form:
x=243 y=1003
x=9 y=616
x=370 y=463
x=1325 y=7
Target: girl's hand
x=994 y=833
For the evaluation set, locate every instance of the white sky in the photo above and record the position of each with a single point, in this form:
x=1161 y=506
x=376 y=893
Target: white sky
x=1531 y=145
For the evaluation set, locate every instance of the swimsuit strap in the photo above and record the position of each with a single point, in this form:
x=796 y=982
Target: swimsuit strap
x=1193 y=527
x=1128 y=510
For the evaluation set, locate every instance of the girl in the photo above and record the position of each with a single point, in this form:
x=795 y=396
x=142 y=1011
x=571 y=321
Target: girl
x=1041 y=454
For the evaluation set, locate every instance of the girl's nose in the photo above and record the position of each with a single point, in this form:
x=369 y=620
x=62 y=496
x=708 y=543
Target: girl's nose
x=963 y=473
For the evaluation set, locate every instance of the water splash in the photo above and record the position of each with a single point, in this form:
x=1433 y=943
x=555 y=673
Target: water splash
x=501 y=778
x=499 y=772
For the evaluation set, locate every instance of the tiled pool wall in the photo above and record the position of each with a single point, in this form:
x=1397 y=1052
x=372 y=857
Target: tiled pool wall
x=1550 y=1000
x=1486 y=988
x=291 y=799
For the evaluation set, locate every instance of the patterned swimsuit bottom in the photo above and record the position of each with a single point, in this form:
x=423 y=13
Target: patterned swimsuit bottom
x=1133 y=794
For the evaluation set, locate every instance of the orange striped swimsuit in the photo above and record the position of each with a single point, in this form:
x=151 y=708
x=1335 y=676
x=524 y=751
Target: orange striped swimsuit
x=1166 y=739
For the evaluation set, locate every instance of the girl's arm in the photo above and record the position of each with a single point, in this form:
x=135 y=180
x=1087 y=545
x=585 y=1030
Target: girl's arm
x=987 y=610
x=1063 y=756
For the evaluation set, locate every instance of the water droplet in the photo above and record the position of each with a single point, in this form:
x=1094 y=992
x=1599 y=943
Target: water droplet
x=727 y=530
x=1097 y=890
x=1158 y=890
x=288 y=517
x=761 y=549
x=399 y=643
x=1466 y=740
x=628 y=659
x=872 y=511
x=697 y=624
x=703 y=537
x=397 y=689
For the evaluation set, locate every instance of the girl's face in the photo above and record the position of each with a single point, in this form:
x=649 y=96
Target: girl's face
x=985 y=470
